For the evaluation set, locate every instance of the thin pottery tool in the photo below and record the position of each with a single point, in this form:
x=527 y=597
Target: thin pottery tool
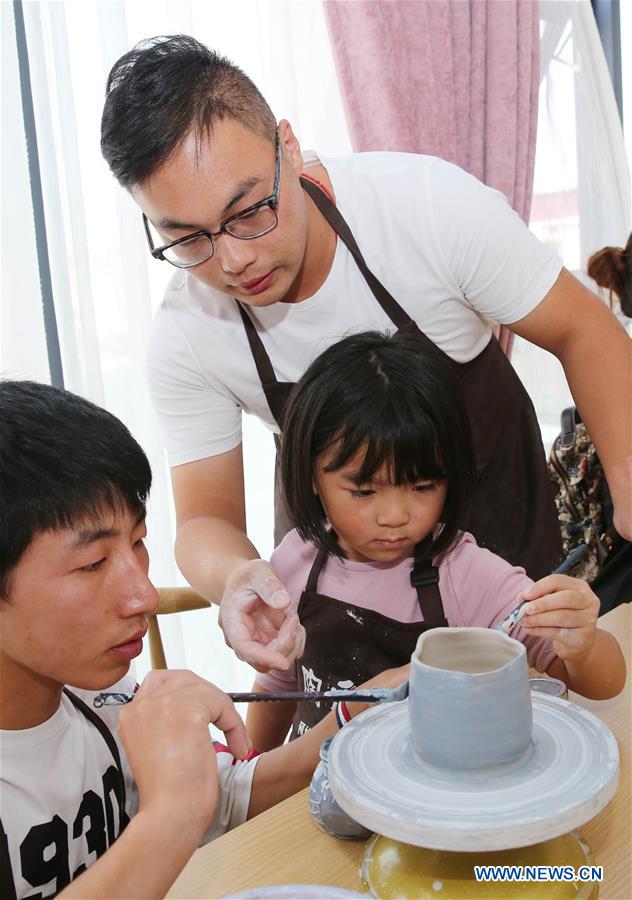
x=365 y=695
x=512 y=619
x=515 y=615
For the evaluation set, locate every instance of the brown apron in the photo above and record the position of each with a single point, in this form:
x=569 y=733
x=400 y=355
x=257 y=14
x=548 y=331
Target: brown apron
x=513 y=512
x=346 y=644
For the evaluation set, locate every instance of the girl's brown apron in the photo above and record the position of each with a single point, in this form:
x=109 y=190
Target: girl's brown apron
x=346 y=644
x=513 y=512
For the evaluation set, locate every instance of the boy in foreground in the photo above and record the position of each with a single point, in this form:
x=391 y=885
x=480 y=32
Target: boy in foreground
x=111 y=801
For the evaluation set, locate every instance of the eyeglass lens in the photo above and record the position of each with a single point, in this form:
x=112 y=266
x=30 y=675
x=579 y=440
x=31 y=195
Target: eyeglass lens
x=198 y=249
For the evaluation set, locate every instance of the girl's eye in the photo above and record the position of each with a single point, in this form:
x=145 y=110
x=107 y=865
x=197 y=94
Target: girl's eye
x=93 y=567
x=425 y=487
x=359 y=493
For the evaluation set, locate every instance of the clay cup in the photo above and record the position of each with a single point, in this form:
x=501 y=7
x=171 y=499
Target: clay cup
x=470 y=703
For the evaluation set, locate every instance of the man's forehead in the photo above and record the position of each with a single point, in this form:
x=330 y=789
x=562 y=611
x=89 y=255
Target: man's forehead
x=206 y=176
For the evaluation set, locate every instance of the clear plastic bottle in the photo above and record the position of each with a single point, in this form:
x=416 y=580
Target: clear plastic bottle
x=327 y=814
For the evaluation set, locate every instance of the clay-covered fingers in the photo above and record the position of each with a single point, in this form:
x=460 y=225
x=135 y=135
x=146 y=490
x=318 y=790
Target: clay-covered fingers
x=254 y=616
x=565 y=611
x=257 y=578
x=558 y=601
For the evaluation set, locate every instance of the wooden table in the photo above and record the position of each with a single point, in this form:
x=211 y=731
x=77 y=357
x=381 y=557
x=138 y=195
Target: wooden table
x=283 y=846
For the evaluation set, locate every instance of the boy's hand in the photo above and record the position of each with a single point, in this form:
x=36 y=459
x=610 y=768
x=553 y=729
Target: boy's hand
x=564 y=610
x=253 y=616
x=165 y=732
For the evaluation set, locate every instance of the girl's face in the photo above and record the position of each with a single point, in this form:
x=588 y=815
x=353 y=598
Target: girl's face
x=377 y=521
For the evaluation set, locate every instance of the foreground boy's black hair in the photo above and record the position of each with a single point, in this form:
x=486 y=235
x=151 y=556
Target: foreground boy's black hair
x=62 y=460
x=397 y=398
x=164 y=89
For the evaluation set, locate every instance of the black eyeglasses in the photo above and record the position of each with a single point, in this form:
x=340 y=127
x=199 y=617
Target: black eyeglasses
x=253 y=222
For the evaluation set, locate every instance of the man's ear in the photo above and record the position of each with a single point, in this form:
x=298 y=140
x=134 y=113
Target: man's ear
x=290 y=146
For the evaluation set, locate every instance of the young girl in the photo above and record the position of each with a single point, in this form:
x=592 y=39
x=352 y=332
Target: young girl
x=377 y=467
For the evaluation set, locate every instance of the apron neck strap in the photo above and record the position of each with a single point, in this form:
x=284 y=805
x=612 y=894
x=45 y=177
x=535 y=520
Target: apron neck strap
x=334 y=217
x=425 y=579
x=312 y=579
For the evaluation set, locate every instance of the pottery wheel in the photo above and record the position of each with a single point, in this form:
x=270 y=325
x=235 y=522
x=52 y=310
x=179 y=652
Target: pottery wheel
x=566 y=777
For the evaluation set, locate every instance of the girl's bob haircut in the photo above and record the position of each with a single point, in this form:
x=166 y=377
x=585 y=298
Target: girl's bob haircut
x=397 y=398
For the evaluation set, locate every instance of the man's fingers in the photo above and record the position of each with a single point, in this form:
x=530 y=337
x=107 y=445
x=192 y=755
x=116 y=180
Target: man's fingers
x=289 y=638
x=263 y=581
x=260 y=657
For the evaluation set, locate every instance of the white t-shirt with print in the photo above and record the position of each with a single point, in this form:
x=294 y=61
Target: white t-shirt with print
x=450 y=250
x=57 y=805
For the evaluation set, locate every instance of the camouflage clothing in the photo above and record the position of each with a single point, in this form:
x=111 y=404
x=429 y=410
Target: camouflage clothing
x=582 y=495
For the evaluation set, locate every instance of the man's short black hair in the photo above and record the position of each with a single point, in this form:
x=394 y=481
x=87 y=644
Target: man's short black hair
x=398 y=399
x=62 y=460
x=164 y=89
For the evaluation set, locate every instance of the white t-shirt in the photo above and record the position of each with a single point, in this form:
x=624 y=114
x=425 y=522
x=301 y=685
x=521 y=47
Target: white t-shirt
x=450 y=250
x=57 y=804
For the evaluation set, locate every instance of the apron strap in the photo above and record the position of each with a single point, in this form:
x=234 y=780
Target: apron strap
x=314 y=572
x=425 y=579
x=108 y=737
x=398 y=316
x=264 y=367
x=391 y=307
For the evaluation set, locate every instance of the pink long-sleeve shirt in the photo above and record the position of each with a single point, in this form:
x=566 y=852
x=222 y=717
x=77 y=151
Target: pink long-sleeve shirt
x=477 y=588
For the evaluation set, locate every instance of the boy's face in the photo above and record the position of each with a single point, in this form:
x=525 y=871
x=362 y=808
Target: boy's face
x=77 y=602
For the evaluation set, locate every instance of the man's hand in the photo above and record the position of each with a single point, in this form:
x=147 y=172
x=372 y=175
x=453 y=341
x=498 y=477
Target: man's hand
x=253 y=616
x=564 y=610
x=165 y=732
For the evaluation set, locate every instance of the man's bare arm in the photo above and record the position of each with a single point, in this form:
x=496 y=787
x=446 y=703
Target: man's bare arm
x=217 y=559
x=211 y=536
x=596 y=353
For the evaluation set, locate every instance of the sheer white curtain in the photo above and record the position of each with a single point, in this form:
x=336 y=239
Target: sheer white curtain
x=105 y=284
x=582 y=195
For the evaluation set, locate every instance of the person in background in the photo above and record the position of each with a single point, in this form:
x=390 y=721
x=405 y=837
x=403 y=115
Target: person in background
x=377 y=471
x=278 y=254
x=611 y=268
x=100 y=800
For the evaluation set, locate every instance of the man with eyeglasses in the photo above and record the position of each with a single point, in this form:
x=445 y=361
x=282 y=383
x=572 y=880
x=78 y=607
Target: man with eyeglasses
x=277 y=256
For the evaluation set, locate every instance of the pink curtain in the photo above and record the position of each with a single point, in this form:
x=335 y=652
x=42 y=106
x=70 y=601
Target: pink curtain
x=452 y=78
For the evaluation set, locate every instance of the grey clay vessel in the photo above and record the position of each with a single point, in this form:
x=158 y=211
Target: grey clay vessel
x=470 y=703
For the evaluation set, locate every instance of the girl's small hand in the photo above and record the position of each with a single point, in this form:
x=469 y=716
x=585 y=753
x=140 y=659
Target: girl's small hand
x=564 y=610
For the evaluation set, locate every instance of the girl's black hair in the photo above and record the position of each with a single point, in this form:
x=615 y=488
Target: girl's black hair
x=62 y=460
x=395 y=396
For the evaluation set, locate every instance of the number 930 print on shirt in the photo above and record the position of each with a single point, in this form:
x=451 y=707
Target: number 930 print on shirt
x=63 y=799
